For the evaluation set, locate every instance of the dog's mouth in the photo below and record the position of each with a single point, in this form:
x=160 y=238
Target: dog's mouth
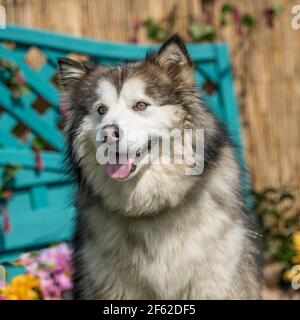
x=126 y=164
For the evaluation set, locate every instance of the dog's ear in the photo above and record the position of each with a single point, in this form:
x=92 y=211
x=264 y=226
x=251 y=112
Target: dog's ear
x=172 y=56
x=173 y=51
x=71 y=72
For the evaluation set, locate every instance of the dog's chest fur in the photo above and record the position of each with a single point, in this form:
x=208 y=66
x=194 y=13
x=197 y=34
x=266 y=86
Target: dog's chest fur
x=161 y=258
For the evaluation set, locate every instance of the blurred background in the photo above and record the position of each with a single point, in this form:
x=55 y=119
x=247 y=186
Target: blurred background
x=265 y=54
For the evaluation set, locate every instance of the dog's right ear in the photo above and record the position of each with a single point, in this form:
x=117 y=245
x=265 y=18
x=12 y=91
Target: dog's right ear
x=173 y=51
x=71 y=72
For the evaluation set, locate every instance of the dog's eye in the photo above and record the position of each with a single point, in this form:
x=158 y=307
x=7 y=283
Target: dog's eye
x=102 y=109
x=140 y=106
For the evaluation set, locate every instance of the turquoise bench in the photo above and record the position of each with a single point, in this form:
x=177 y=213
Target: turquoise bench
x=39 y=210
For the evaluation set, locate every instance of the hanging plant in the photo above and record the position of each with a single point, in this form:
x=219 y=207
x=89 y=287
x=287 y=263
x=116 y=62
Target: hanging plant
x=244 y=22
x=155 y=31
x=14 y=78
x=225 y=11
x=136 y=27
x=279 y=220
x=38 y=144
x=270 y=13
x=10 y=170
x=207 y=30
x=200 y=33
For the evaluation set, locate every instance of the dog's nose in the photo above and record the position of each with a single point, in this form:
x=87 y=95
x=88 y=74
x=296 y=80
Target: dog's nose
x=111 y=133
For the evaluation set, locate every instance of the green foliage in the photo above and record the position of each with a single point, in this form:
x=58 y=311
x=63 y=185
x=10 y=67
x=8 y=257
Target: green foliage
x=202 y=32
x=226 y=8
x=38 y=143
x=155 y=31
x=247 y=20
x=278 y=220
x=276 y=9
x=13 y=78
x=207 y=31
x=9 y=172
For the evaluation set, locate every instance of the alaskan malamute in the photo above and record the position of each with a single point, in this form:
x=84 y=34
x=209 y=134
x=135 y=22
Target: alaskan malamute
x=154 y=230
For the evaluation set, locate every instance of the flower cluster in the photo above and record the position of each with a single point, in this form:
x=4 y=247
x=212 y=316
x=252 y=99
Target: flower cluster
x=294 y=272
x=48 y=275
x=14 y=78
x=296 y=242
x=53 y=269
x=22 y=287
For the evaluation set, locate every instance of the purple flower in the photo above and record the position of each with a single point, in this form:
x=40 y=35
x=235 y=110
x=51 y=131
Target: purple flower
x=53 y=267
x=63 y=281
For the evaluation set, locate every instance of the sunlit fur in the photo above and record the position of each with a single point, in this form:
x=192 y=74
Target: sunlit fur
x=159 y=234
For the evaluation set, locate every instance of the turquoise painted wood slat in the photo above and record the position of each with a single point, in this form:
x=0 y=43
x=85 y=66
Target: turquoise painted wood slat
x=7 y=140
x=52 y=55
x=20 y=109
x=39 y=228
x=231 y=112
x=25 y=157
x=39 y=197
x=27 y=178
x=11 y=270
x=40 y=210
x=102 y=49
x=37 y=83
x=232 y=116
x=7 y=122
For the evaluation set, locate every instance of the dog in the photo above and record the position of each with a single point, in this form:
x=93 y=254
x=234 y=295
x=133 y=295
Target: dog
x=154 y=230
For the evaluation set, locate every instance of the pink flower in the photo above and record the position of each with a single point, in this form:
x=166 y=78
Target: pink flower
x=8 y=194
x=134 y=39
x=137 y=24
x=2 y=284
x=39 y=163
x=63 y=281
x=53 y=267
x=19 y=79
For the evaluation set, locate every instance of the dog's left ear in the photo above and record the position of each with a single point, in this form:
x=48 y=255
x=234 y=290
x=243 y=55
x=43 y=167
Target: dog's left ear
x=72 y=72
x=173 y=57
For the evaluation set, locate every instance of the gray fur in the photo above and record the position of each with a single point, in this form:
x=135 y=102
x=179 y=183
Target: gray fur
x=161 y=234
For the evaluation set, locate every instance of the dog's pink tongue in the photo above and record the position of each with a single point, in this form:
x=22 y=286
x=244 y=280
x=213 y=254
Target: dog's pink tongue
x=119 y=171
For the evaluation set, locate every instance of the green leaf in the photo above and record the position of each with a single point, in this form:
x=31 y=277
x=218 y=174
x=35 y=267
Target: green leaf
x=154 y=30
x=248 y=20
x=276 y=9
x=202 y=32
x=226 y=8
x=10 y=171
x=38 y=143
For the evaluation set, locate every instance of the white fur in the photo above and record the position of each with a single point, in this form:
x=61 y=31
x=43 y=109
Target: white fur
x=160 y=234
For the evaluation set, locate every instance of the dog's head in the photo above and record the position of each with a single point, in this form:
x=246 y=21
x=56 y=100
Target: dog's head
x=120 y=109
